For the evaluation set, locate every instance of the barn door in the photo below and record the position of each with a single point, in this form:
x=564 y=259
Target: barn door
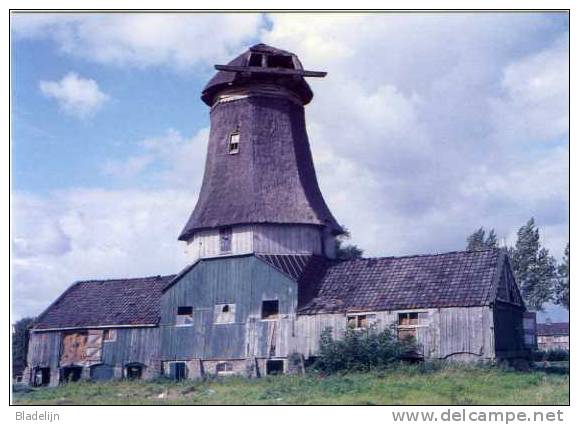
x=73 y=348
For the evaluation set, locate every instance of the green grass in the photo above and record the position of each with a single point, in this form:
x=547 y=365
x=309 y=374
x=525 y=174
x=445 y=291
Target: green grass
x=404 y=385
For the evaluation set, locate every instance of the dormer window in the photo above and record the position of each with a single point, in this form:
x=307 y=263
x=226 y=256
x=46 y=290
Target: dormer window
x=280 y=61
x=255 y=59
x=234 y=143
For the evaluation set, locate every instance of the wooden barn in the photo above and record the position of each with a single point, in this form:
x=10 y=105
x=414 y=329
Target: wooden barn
x=263 y=281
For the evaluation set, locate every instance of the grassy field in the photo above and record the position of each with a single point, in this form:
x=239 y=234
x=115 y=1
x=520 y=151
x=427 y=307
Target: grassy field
x=405 y=385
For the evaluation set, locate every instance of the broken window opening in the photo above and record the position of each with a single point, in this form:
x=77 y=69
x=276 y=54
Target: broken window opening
x=361 y=321
x=225 y=234
x=224 y=313
x=134 y=371
x=224 y=368
x=184 y=316
x=70 y=374
x=411 y=319
x=274 y=367
x=280 y=61
x=234 y=143
x=109 y=335
x=41 y=377
x=270 y=309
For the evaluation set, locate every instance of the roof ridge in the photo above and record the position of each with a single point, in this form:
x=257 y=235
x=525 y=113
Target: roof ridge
x=437 y=254
x=124 y=279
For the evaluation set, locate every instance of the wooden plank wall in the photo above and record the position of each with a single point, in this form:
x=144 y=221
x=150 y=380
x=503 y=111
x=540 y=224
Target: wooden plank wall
x=260 y=238
x=448 y=332
x=243 y=281
x=132 y=345
x=287 y=239
x=206 y=243
x=44 y=349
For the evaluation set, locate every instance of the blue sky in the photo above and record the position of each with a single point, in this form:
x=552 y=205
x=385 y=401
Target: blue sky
x=426 y=127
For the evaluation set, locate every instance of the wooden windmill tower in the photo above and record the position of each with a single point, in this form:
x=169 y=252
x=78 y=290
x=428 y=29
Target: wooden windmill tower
x=260 y=193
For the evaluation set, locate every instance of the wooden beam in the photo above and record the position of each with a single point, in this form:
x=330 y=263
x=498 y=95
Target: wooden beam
x=273 y=71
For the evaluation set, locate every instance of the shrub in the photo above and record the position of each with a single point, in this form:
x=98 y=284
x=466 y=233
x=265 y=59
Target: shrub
x=360 y=350
x=556 y=355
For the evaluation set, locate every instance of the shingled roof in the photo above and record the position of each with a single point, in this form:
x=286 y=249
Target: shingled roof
x=454 y=279
x=117 y=302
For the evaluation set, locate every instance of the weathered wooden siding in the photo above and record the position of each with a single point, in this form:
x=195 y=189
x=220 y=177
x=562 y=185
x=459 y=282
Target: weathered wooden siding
x=509 y=332
x=206 y=242
x=457 y=333
x=244 y=281
x=259 y=238
x=287 y=239
x=44 y=349
x=132 y=345
x=466 y=332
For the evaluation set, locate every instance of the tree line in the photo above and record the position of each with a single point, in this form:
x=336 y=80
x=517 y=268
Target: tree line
x=540 y=278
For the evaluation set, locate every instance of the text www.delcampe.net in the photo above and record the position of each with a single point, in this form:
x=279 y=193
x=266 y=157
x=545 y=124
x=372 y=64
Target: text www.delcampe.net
x=463 y=415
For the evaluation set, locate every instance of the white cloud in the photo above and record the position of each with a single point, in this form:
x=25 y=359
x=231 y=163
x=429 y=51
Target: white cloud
x=92 y=234
x=535 y=101
x=171 y=160
x=76 y=96
x=178 y=41
x=429 y=126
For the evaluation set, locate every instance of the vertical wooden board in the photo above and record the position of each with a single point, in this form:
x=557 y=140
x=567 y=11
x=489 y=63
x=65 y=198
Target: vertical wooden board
x=245 y=282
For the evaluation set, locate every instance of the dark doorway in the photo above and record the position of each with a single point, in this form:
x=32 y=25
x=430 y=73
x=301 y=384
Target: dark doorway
x=274 y=367
x=134 y=371
x=70 y=374
x=101 y=372
x=178 y=371
x=41 y=377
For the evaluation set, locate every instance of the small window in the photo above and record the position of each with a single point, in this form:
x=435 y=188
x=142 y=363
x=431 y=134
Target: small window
x=280 y=61
x=134 y=371
x=109 y=335
x=184 y=316
x=225 y=235
x=408 y=319
x=224 y=368
x=270 y=309
x=224 y=313
x=234 y=143
x=255 y=59
x=361 y=321
x=274 y=367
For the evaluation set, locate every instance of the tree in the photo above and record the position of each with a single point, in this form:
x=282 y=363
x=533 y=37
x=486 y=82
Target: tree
x=20 y=332
x=476 y=241
x=349 y=251
x=533 y=266
x=561 y=291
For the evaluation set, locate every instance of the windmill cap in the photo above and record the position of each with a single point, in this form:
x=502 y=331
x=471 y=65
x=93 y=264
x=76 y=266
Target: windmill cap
x=262 y=63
